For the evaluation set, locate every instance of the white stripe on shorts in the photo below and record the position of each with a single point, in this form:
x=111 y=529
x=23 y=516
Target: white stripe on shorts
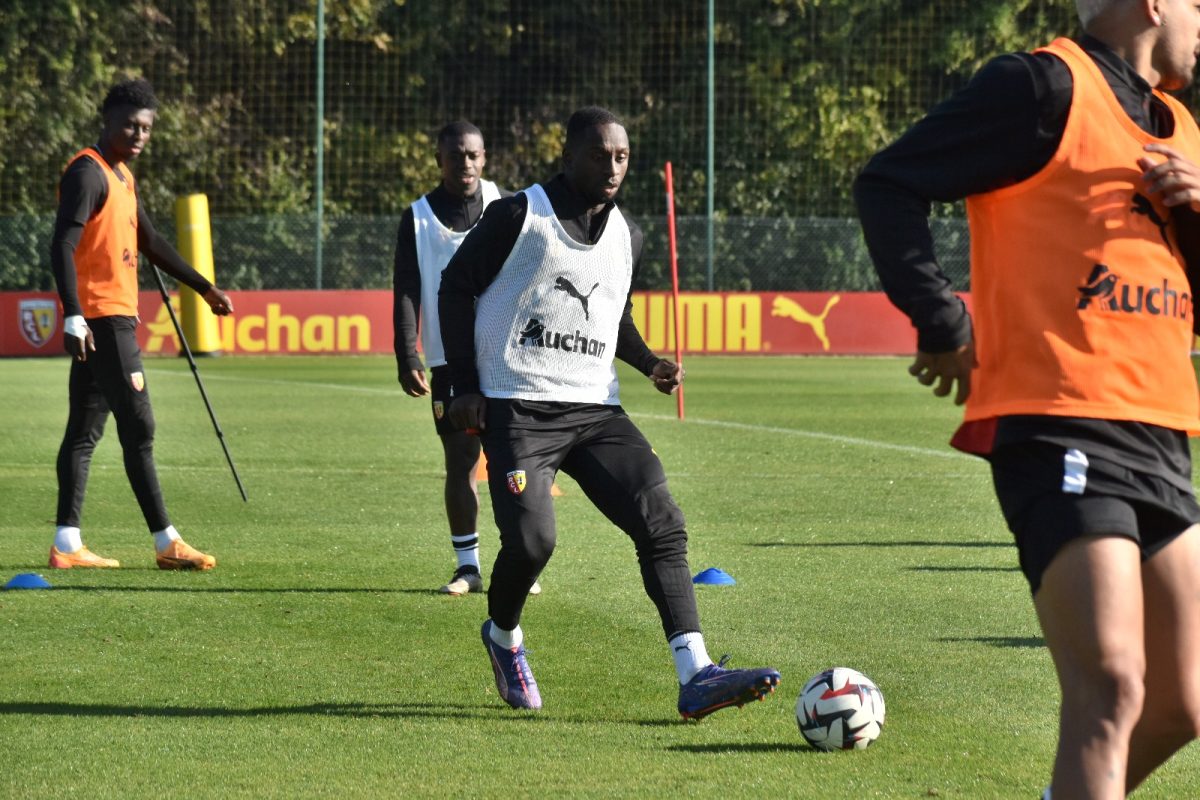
x=1075 y=466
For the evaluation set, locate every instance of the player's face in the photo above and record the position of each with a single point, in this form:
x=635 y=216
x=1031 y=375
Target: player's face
x=1178 y=44
x=126 y=132
x=596 y=164
x=461 y=160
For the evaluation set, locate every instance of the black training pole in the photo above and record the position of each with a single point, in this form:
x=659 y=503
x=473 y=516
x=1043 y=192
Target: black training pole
x=187 y=351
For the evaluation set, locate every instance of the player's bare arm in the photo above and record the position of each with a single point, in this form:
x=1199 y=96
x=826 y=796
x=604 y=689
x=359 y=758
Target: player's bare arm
x=413 y=382
x=1177 y=178
x=218 y=301
x=469 y=412
x=77 y=338
x=667 y=376
x=944 y=370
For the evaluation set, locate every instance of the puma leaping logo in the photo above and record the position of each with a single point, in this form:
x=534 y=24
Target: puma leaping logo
x=564 y=285
x=785 y=307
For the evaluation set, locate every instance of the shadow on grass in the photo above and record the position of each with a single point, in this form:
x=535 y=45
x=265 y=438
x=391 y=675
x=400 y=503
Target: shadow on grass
x=999 y=641
x=963 y=569
x=245 y=590
x=867 y=543
x=435 y=711
x=745 y=747
x=314 y=709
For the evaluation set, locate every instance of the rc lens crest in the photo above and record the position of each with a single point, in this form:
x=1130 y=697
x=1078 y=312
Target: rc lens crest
x=516 y=481
x=38 y=319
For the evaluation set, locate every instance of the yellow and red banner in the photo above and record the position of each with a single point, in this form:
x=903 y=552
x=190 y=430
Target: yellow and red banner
x=360 y=321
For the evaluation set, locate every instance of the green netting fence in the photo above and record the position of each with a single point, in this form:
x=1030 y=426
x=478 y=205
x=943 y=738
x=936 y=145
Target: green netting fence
x=803 y=92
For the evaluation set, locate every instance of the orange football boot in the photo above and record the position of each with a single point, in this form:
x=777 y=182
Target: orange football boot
x=80 y=558
x=181 y=555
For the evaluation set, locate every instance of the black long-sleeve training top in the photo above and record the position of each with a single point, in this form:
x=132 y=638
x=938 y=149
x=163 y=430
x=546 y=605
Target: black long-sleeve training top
x=998 y=131
x=456 y=213
x=82 y=192
x=1001 y=129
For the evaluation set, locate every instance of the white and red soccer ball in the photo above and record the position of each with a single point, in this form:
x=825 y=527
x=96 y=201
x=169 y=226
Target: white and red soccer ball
x=840 y=709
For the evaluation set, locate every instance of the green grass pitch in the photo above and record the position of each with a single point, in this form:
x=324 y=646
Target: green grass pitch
x=317 y=660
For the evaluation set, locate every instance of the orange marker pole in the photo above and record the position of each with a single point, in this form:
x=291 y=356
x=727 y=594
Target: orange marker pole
x=674 y=283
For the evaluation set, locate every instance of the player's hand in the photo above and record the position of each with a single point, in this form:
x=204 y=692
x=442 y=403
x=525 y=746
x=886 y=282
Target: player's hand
x=1177 y=179
x=413 y=382
x=77 y=338
x=218 y=301
x=667 y=376
x=945 y=370
x=468 y=412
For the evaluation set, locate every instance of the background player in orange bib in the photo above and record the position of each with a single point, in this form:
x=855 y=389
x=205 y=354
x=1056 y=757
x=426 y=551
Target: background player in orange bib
x=1082 y=191
x=99 y=231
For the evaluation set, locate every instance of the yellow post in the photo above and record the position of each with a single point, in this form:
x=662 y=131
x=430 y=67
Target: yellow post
x=195 y=245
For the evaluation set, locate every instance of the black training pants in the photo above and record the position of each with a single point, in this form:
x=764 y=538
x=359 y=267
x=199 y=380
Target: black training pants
x=111 y=379
x=619 y=472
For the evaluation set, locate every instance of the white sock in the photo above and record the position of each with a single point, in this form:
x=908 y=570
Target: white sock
x=690 y=654
x=1046 y=794
x=509 y=639
x=67 y=539
x=163 y=538
x=466 y=549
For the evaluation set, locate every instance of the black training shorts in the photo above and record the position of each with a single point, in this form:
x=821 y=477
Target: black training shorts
x=439 y=390
x=1050 y=494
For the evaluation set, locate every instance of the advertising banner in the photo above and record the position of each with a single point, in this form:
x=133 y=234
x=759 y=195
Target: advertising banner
x=360 y=321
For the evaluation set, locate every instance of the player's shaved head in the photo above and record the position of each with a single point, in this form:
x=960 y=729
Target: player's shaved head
x=453 y=131
x=587 y=118
x=1090 y=9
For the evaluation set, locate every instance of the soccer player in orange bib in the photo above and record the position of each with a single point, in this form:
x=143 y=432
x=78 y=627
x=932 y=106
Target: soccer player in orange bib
x=1082 y=187
x=98 y=232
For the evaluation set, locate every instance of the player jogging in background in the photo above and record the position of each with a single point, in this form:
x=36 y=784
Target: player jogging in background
x=534 y=307
x=431 y=229
x=1082 y=185
x=99 y=231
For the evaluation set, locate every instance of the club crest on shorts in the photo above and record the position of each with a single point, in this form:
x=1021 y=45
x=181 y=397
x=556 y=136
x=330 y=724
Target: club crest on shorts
x=439 y=409
x=38 y=319
x=516 y=481
x=137 y=380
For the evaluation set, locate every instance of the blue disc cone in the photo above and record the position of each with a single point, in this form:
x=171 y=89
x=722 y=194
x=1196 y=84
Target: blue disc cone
x=714 y=577
x=28 y=580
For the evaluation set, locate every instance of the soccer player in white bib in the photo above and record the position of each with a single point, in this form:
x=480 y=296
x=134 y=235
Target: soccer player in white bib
x=431 y=230
x=534 y=307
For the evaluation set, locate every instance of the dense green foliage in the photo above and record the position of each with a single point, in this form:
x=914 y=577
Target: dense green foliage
x=805 y=91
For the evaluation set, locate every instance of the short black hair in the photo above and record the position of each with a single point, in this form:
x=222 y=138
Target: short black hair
x=587 y=118
x=132 y=93
x=456 y=130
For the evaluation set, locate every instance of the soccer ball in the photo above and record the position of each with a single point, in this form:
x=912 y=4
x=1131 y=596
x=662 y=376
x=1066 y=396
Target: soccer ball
x=840 y=709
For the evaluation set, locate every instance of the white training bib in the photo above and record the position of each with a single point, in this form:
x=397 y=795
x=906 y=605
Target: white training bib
x=436 y=245
x=546 y=328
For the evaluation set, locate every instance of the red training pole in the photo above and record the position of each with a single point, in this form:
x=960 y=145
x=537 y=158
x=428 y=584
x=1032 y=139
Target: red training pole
x=674 y=283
